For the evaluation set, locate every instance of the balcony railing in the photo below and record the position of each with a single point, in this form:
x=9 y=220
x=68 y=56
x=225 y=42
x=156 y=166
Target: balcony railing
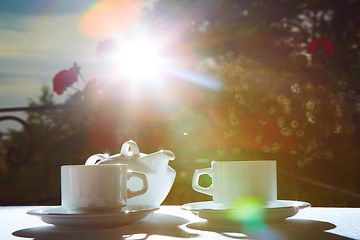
x=16 y=155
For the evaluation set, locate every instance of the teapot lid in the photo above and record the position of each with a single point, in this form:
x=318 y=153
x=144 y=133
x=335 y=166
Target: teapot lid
x=129 y=150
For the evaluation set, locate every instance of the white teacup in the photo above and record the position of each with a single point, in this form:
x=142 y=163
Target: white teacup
x=234 y=180
x=92 y=187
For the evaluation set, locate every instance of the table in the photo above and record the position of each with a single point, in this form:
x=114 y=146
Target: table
x=171 y=222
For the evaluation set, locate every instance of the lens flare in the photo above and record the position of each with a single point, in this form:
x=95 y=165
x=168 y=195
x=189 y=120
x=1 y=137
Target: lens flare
x=200 y=80
x=107 y=18
x=250 y=212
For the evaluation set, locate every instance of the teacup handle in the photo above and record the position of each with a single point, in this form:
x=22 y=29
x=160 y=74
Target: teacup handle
x=195 y=181
x=131 y=194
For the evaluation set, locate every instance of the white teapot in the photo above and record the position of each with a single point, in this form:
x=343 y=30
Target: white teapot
x=159 y=174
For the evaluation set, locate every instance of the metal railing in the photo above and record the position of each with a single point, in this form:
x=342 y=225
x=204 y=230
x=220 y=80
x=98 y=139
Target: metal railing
x=15 y=155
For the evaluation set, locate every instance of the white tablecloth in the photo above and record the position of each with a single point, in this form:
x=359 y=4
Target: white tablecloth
x=170 y=222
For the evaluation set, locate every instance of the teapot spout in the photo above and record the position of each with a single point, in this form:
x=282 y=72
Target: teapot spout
x=170 y=155
x=158 y=160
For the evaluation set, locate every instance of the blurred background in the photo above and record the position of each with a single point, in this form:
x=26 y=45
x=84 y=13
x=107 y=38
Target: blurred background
x=209 y=80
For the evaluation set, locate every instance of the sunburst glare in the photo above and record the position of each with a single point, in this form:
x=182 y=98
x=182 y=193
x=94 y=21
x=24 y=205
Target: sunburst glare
x=140 y=59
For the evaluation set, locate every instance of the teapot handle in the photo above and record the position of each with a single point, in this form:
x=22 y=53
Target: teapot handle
x=130 y=149
x=96 y=159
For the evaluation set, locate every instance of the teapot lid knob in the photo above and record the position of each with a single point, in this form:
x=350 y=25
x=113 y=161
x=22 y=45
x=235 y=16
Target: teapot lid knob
x=130 y=149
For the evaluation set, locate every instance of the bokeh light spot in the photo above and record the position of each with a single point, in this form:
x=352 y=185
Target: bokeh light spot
x=107 y=18
x=250 y=212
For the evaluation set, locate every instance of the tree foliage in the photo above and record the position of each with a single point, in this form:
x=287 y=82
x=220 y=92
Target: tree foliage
x=262 y=30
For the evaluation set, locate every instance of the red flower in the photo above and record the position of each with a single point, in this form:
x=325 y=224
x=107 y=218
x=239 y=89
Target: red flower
x=321 y=44
x=65 y=78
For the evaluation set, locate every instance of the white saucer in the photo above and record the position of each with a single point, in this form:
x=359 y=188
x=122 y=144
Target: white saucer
x=59 y=216
x=272 y=211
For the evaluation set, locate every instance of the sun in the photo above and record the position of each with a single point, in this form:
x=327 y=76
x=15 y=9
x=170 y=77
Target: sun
x=140 y=59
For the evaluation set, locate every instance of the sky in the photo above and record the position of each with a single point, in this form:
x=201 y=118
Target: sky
x=39 y=38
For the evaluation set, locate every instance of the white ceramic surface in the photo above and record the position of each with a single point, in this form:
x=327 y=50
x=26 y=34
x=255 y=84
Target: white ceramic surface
x=97 y=186
x=62 y=217
x=232 y=180
x=272 y=210
x=159 y=174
